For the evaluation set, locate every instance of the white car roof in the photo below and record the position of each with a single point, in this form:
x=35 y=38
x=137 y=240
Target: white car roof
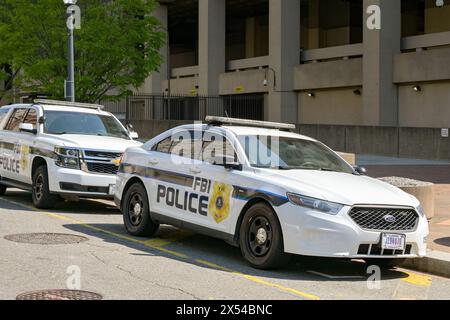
x=251 y=131
x=61 y=108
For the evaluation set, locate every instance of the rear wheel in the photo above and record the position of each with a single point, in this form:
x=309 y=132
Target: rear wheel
x=42 y=198
x=136 y=212
x=261 y=239
x=385 y=264
x=2 y=189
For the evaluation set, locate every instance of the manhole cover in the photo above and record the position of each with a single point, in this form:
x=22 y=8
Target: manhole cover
x=46 y=238
x=59 y=295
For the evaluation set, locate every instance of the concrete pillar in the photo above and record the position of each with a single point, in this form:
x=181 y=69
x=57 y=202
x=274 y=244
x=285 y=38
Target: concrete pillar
x=380 y=94
x=153 y=84
x=250 y=37
x=211 y=45
x=284 y=54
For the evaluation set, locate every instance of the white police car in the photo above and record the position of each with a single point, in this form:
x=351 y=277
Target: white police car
x=57 y=148
x=268 y=190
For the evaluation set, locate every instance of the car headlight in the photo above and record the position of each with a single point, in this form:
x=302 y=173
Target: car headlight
x=315 y=204
x=67 y=158
x=421 y=211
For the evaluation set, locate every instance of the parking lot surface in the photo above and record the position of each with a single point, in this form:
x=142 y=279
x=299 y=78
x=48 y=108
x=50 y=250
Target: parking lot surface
x=177 y=264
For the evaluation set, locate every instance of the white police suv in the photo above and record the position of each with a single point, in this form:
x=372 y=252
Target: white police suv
x=57 y=148
x=268 y=190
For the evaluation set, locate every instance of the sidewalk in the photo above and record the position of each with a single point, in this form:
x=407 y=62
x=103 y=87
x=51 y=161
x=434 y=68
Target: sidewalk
x=438 y=172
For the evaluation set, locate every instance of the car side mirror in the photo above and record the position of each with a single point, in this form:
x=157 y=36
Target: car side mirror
x=27 y=127
x=229 y=163
x=234 y=166
x=360 y=170
x=134 y=135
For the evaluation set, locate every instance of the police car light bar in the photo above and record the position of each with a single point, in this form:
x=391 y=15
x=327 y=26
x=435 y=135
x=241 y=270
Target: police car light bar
x=251 y=123
x=68 y=104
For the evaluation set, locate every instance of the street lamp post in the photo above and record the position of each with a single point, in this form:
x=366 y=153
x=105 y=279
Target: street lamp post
x=169 y=70
x=70 y=82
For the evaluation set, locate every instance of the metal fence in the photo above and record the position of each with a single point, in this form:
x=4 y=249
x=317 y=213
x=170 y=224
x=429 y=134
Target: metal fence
x=163 y=107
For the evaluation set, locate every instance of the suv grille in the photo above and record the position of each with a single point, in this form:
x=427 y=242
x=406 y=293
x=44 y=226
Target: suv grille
x=385 y=219
x=102 y=154
x=105 y=168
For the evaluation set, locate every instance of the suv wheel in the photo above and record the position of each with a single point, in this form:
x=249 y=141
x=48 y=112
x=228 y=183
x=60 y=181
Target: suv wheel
x=136 y=212
x=261 y=239
x=42 y=198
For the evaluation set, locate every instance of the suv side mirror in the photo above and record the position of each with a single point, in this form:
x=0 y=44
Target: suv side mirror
x=360 y=170
x=27 y=127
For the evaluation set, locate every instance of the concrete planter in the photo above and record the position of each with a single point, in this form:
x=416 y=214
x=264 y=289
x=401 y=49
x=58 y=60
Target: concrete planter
x=423 y=191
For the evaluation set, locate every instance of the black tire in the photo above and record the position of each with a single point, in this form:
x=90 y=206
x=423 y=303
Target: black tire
x=42 y=198
x=261 y=238
x=2 y=190
x=136 y=212
x=385 y=264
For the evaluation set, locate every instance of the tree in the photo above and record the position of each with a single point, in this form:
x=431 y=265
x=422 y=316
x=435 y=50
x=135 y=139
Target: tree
x=116 y=48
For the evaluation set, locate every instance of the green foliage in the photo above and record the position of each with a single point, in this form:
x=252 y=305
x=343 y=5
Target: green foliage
x=116 y=48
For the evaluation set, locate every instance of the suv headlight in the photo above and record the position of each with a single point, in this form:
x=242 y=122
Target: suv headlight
x=67 y=158
x=315 y=204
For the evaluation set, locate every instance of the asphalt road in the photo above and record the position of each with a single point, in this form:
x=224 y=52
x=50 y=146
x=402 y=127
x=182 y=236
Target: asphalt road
x=175 y=265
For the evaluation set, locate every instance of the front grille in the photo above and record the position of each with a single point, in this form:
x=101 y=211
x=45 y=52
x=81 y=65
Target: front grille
x=385 y=219
x=104 y=168
x=102 y=154
x=376 y=250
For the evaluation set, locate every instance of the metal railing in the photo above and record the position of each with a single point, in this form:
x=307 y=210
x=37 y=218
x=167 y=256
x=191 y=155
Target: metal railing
x=182 y=107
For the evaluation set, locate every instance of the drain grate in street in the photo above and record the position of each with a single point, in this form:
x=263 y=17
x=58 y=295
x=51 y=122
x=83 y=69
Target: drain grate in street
x=46 y=238
x=59 y=295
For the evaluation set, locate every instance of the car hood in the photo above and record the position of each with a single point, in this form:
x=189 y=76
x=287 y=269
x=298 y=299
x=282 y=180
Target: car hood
x=96 y=142
x=347 y=189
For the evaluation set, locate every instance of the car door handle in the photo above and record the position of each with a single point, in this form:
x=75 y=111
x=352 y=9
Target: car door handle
x=153 y=161
x=195 y=170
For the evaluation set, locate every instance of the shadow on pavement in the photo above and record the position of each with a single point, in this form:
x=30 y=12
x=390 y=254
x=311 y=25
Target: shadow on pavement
x=199 y=247
x=443 y=241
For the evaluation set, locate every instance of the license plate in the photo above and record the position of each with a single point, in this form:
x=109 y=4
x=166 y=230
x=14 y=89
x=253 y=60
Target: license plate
x=393 y=241
x=112 y=189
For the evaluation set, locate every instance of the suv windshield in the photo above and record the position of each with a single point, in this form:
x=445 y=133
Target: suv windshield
x=62 y=122
x=290 y=153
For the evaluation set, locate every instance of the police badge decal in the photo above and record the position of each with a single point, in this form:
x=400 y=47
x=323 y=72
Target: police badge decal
x=219 y=204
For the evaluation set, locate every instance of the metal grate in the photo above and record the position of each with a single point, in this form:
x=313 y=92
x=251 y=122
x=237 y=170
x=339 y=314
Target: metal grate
x=377 y=250
x=385 y=219
x=105 y=168
x=102 y=154
x=46 y=238
x=59 y=295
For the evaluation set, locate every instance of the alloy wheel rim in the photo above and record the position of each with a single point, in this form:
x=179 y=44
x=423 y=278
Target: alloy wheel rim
x=260 y=236
x=38 y=187
x=135 y=209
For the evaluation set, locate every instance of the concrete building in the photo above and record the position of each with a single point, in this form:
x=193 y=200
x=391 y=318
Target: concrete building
x=313 y=61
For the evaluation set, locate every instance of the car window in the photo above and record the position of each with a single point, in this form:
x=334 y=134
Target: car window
x=184 y=145
x=16 y=120
x=164 y=145
x=216 y=148
x=31 y=117
x=3 y=113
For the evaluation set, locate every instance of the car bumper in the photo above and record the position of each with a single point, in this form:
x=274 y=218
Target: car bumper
x=82 y=184
x=311 y=233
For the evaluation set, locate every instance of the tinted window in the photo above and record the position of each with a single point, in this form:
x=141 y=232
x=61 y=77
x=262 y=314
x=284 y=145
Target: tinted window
x=31 y=118
x=291 y=153
x=164 y=146
x=216 y=148
x=61 y=122
x=3 y=113
x=16 y=120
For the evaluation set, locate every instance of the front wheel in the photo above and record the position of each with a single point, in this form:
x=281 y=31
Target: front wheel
x=261 y=239
x=136 y=212
x=42 y=198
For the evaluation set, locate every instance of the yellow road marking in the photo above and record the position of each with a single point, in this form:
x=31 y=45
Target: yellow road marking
x=156 y=246
x=417 y=279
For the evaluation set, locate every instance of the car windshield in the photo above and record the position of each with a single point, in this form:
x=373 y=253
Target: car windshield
x=287 y=153
x=62 y=122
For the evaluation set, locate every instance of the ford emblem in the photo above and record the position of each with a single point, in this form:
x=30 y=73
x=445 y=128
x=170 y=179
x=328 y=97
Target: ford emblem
x=390 y=219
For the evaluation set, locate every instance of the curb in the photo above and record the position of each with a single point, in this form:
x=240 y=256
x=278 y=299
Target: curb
x=436 y=263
